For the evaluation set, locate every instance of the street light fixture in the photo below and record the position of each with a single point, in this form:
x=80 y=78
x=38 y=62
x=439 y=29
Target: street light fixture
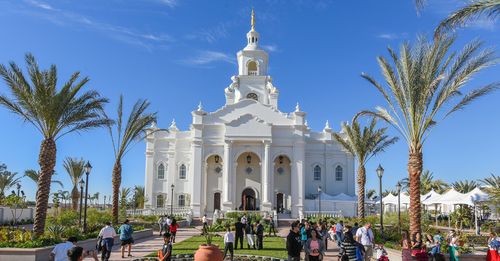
x=87 y=169
x=398 y=188
x=380 y=173
x=172 y=200
x=81 y=201
x=319 y=200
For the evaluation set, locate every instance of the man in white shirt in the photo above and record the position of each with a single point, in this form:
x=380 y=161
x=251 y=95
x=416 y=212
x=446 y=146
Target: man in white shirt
x=339 y=228
x=107 y=234
x=161 y=224
x=168 y=222
x=364 y=236
x=60 y=251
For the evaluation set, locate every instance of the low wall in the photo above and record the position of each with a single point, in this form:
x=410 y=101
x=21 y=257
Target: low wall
x=396 y=255
x=42 y=254
x=6 y=214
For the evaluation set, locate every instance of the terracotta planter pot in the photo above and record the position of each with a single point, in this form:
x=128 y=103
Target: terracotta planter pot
x=208 y=253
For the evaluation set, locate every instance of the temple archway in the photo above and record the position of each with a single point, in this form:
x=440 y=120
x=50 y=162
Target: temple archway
x=282 y=183
x=248 y=181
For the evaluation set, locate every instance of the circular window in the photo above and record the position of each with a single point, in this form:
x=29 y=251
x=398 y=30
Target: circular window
x=252 y=96
x=248 y=170
x=280 y=170
x=218 y=169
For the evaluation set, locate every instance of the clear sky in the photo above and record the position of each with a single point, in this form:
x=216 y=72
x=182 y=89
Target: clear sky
x=176 y=53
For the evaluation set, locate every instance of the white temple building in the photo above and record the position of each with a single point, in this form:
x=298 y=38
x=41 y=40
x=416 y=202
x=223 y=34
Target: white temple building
x=247 y=155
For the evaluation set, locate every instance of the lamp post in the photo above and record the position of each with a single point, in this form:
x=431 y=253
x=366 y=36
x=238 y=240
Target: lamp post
x=380 y=173
x=172 y=200
x=319 y=200
x=81 y=201
x=398 y=188
x=87 y=169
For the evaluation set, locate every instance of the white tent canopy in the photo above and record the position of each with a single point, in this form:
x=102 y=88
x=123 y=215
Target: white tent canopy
x=392 y=199
x=450 y=197
x=338 y=197
x=429 y=196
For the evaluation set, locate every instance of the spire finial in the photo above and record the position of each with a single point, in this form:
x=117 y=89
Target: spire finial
x=297 y=107
x=200 y=107
x=253 y=20
x=327 y=125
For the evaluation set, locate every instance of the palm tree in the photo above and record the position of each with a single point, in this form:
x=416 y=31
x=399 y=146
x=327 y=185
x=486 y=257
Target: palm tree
x=464 y=186
x=74 y=168
x=473 y=10
x=428 y=183
x=34 y=175
x=371 y=194
x=424 y=85
x=493 y=181
x=139 y=196
x=133 y=132
x=53 y=112
x=96 y=197
x=363 y=144
x=124 y=195
x=7 y=180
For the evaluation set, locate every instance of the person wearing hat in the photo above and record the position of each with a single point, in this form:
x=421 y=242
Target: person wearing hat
x=293 y=243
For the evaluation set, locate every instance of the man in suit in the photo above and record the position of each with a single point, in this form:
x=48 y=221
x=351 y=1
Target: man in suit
x=260 y=235
x=240 y=232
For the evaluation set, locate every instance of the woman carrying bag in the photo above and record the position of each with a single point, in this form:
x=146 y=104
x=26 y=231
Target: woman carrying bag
x=314 y=248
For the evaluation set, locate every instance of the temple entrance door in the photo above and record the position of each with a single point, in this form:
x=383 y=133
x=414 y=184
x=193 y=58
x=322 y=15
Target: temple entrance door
x=248 y=199
x=279 y=202
x=217 y=200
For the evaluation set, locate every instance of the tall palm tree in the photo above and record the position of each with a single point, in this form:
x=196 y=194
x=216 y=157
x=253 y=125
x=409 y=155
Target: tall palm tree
x=493 y=181
x=363 y=144
x=124 y=138
x=139 y=196
x=428 y=183
x=464 y=186
x=424 y=85
x=7 y=180
x=124 y=195
x=96 y=197
x=54 y=112
x=74 y=168
x=34 y=175
x=371 y=194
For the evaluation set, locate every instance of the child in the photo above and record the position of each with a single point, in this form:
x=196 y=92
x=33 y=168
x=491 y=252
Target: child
x=381 y=253
x=228 y=242
x=165 y=254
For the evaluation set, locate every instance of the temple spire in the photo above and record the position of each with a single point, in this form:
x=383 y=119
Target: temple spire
x=253 y=20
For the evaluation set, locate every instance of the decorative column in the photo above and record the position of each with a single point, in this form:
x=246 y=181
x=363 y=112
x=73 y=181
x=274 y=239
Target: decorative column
x=298 y=178
x=227 y=203
x=149 y=176
x=196 y=161
x=266 y=190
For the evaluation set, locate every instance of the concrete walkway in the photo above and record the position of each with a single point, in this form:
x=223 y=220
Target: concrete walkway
x=146 y=246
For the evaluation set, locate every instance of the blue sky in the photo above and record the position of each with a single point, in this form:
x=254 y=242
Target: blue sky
x=176 y=53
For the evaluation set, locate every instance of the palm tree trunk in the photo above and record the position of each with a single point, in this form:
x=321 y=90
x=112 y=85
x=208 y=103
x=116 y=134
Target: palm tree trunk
x=361 y=191
x=75 y=195
x=415 y=165
x=116 y=181
x=47 y=161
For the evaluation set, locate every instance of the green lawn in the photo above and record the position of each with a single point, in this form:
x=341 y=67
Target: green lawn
x=273 y=247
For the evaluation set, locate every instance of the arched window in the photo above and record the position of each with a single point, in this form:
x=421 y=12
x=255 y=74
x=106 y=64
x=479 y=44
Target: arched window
x=182 y=200
x=161 y=171
x=160 y=201
x=338 y=173
x=182 y=172
x=252 y=96
x=252 y=68
x=317 y=172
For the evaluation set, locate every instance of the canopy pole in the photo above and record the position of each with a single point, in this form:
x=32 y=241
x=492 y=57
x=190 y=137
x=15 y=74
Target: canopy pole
x=436 y=213
x=478 y=229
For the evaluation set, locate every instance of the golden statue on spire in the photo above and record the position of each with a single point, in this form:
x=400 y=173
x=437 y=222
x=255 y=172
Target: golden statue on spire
x=253 y=20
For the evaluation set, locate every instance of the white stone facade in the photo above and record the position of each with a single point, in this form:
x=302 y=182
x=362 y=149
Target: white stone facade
x=246 y=155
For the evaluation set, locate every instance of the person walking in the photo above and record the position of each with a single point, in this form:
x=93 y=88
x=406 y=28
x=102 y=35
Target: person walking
x=76 y=254
x=165 y=254
x=168 y=222
x=173 y=229
x=314 y=248
x=60 y=251
x=126 y=238
x=161 y=223
x=271 y=226
x=228 y=243
x=348 y=247
x=260 y=235
x=250 y=235
x=452 y=245
x=354 y=228
x=107 y=234
x=338 y=232
x=364 y=235
x=293 y=243
x=405 y=246
x=493 y=248
x=240 y=232
x=304 y=233
x=205 y=224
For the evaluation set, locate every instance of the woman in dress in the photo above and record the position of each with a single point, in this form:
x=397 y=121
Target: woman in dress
x=452 y=245
x=314 y=247
x=493 y=248
x=406 y=246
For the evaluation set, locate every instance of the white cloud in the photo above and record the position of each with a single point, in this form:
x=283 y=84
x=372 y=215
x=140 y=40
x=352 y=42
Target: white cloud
x=270 y=48
x=207 y=57
x=392 y=36
x=41 y=5
x=210 y=35
x=169 y=3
